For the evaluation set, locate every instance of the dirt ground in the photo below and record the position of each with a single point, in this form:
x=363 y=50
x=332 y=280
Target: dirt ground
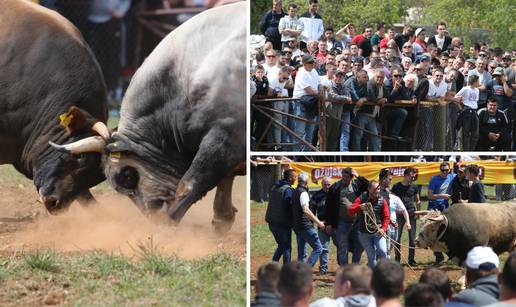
x=423 y=257
x=114 y=224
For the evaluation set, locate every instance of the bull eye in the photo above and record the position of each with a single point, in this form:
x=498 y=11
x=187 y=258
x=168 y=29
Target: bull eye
x=127 y=178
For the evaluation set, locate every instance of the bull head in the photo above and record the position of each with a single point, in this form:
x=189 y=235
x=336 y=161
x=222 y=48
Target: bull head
x=61 y=178
x=429 y=234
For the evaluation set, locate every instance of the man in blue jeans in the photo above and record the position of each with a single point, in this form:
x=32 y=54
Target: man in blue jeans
x=306 y=89
x=438 y=196
x=340 y=197
x=302 y=221
x=372 y=235
x=357 y=86
x=318 y=206
x=279 y=215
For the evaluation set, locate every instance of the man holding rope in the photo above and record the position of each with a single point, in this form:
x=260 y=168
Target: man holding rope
x=373 y=221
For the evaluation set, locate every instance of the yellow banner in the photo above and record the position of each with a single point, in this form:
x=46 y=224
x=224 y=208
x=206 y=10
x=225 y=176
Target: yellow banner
x=499 y=172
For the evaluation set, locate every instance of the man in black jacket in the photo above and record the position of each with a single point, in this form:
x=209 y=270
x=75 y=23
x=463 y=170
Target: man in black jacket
x=408 y=192
x=440 y=40
x=302 y=222
x=279 y=215
x=269 y=24
x=494 y=128
x=340 y=197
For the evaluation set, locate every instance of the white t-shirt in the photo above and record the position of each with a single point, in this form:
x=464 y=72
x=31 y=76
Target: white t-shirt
x=304 y=200
x=395 y=206
x=270 y=71
x=436 y=91
x=469 y=96
x=305 y=79
x=439 y=41
x=276 y=85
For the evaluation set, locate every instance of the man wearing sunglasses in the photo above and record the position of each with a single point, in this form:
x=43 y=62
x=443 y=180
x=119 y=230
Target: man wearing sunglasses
x=438 y=196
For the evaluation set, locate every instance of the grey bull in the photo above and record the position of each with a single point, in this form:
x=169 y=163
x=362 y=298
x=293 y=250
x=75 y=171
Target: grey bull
x=183 y=119
x=458 y=229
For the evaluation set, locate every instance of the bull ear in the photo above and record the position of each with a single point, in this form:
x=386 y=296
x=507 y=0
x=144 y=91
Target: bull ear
x=76 y=120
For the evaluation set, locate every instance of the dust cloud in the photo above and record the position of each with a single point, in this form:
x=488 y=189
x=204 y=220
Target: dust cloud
x=116 y=225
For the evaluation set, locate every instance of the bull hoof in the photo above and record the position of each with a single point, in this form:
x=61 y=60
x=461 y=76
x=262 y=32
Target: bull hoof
x=223 y=224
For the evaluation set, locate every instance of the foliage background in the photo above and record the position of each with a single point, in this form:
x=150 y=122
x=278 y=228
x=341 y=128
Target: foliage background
x=489 y=20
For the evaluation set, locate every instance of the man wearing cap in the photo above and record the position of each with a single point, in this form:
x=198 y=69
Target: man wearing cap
x=499 y=88
x=269 y=24
x=419 y=45
x=481 y=278
x=338 y=101
x=459 y=186
x=302 y=221
x=306 y=89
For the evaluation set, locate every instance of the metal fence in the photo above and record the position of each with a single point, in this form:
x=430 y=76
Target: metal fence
x=430 y=126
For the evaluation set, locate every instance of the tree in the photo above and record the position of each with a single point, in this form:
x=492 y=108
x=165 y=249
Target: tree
x=461 y=16
x=339 y=13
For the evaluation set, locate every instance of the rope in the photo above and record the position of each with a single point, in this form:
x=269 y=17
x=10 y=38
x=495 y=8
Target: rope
x=370 y=222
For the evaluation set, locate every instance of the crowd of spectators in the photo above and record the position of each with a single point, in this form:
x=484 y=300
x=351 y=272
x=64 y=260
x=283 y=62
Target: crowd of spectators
x=292 y=284
x=359 y=215
x=363 y=74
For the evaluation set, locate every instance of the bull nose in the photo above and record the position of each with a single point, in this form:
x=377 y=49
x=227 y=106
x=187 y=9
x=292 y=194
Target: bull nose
x=52 y=203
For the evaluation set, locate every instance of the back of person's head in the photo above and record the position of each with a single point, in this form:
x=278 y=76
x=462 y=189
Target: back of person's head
x=481 y=261
x=508 y=276
x=439 y=280
x=474 y=169
x=387 y=280
x=295 y=280
x=423 y=294
x=288 y=173
x=358 y=276
x=267 y=277
x=302 y=178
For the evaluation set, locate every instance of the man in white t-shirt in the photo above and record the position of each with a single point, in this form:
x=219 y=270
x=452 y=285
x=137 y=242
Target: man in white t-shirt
x=437 y=87
x=270 y=65
x=306 y=89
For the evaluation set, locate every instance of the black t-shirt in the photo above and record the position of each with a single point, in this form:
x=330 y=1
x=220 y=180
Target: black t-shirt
x=407 y=194
x=476 y=193
x=262 y=87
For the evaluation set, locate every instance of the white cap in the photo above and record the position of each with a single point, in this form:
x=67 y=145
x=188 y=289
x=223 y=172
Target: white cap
x=418 y=30
x=482 y=257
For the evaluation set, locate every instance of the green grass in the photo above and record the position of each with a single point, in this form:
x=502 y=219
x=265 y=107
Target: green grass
x=103 y=279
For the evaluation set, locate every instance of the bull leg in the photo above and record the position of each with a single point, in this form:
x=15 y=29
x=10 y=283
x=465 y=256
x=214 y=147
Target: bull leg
x=223 y=209
x=86 y=199
x=217 y=158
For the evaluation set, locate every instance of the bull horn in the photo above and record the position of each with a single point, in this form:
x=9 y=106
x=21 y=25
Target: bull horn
x=101 y=129
x=90 y=144
x=421 y=212
x=437 y=219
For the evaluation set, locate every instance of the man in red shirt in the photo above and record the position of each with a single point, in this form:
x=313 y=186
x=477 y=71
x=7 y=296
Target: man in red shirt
x=372 y=237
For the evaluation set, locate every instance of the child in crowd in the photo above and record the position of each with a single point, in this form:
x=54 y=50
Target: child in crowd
x=468 y=118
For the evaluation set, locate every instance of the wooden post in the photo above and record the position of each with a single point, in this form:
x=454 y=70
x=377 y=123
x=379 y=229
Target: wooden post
x=322 y=120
